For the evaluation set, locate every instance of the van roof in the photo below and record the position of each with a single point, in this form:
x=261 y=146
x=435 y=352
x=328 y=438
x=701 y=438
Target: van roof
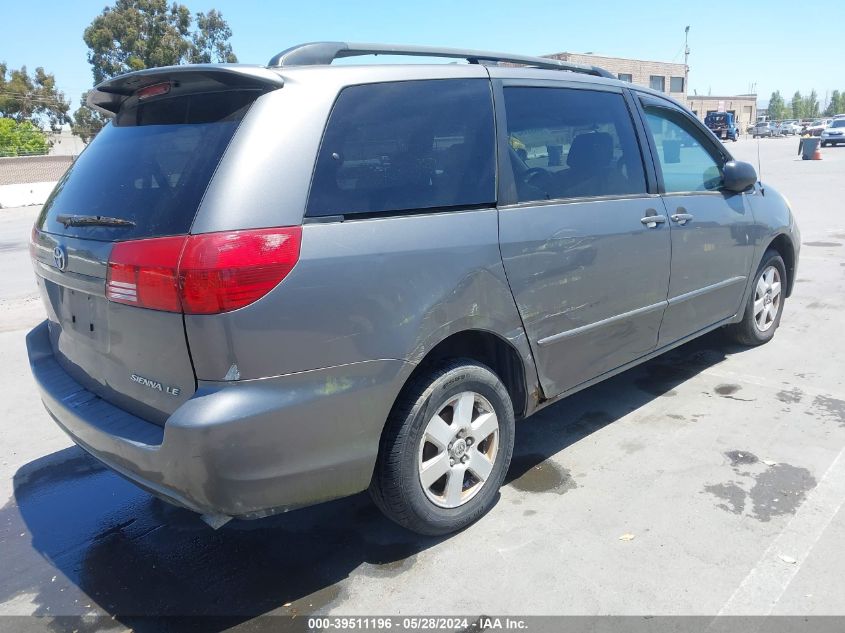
x=315 y=58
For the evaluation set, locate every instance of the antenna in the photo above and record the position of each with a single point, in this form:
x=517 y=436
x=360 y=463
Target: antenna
x=686 y=59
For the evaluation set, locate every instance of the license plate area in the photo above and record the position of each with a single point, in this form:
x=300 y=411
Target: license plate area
x=81 y=316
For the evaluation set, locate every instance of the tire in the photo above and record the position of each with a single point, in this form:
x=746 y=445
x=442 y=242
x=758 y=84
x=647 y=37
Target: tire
x=754 y=330
x=824 y=144
x=412 y=437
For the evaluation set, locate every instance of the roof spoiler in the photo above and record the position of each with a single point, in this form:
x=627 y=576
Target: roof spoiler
x=323 y=53
x=108 y=96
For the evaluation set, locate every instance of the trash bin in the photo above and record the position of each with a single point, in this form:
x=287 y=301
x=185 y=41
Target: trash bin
x=808 y=146
x=555 y=155
x=671 y=151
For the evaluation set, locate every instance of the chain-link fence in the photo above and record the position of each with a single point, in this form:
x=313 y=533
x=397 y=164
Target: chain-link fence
x=26 y=180
x=27 y=169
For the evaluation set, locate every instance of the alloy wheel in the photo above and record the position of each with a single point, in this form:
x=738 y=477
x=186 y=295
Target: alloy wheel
x=767 y=297
x=458 y=450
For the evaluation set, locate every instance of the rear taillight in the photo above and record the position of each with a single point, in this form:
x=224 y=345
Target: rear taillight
x=226 y=271
x=145 y=273
x=202 y=274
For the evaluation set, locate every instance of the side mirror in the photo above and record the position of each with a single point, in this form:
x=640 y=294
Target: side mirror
x=738 y=176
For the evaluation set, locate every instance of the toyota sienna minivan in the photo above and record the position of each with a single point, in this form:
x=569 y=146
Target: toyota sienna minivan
x=271 y=286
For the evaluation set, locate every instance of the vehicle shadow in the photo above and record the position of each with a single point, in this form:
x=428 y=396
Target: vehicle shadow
x=97 y=543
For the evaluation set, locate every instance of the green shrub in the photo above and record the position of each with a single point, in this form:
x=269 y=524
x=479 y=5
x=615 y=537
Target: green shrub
x=21 y=139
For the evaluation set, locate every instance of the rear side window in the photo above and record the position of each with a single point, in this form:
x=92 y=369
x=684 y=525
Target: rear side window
x=151 y=166
x=570 y=143
x=406 y=146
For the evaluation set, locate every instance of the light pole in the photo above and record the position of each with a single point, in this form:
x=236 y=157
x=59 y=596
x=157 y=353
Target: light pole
x=686 y=62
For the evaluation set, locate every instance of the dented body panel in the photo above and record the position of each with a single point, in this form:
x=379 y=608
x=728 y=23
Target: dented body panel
x=243 y=449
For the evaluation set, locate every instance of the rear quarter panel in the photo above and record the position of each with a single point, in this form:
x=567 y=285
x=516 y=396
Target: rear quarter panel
x=388 y=288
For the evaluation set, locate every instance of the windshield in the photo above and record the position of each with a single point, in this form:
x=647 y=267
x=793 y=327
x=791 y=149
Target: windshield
x=838 y=123
x=150 y=167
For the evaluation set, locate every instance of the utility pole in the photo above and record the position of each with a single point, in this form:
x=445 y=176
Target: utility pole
x=686 y=60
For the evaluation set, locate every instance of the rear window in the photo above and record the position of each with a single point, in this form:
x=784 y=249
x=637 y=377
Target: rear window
x=150 y=166
x=405 y=146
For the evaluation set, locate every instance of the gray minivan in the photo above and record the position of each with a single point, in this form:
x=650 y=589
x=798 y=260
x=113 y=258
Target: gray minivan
x=271 y=286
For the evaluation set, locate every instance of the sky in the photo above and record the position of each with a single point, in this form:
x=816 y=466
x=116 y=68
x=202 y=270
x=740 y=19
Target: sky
x=731 y=51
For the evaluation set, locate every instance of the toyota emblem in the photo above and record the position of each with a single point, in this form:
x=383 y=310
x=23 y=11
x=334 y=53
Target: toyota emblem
x=60 y=257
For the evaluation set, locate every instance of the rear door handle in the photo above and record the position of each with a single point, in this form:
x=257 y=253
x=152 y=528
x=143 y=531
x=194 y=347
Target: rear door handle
x=681 y=218
x=652 y=218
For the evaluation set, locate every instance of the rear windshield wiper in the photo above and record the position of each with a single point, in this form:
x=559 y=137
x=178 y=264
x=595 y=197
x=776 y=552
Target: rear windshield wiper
x=93 y=220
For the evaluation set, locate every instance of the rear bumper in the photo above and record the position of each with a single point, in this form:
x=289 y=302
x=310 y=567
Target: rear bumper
x=244 y=449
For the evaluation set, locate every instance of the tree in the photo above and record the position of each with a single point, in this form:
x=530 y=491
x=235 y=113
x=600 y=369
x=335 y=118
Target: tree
x=86 y=121
x=836 y=105
x=797 y=106
x=211 y=39
x=137 y=34
x=777 y=107
x=32 y=98
x=810 y=105
x=21 y=138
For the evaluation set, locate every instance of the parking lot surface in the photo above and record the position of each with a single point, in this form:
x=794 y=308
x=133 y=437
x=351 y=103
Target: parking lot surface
x=707 y=481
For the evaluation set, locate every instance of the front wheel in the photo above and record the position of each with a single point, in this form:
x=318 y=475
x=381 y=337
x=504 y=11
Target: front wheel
x=445 y=449
x=765 y=303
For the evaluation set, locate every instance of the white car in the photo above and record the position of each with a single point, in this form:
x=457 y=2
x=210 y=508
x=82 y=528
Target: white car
x=834 y=133
x=789 y=128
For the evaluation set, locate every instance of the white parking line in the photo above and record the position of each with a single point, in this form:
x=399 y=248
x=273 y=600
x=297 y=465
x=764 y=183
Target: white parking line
x=765 y=584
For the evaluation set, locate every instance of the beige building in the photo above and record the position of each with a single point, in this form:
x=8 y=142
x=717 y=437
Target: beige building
x=665 y=77
x=670 y=78
x=743 y=107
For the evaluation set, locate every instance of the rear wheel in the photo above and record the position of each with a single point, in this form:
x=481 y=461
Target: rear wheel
x=765 y=303
x=445 y=450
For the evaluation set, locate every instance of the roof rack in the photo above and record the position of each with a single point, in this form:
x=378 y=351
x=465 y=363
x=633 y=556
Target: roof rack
x=322 y=53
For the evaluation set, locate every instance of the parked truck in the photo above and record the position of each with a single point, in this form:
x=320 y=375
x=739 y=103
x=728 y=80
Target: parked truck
x=723 y=125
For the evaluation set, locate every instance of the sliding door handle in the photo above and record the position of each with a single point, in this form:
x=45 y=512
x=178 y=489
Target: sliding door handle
x=652 y=219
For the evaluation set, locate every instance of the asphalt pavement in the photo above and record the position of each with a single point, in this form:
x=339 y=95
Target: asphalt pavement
x=707 y=481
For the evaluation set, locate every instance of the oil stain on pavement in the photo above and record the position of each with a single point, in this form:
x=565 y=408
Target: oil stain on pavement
x=731 y=493
x=830 y=409
x=728 y=391
x=790 y=396
x=533 y=473
x=767 y=489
